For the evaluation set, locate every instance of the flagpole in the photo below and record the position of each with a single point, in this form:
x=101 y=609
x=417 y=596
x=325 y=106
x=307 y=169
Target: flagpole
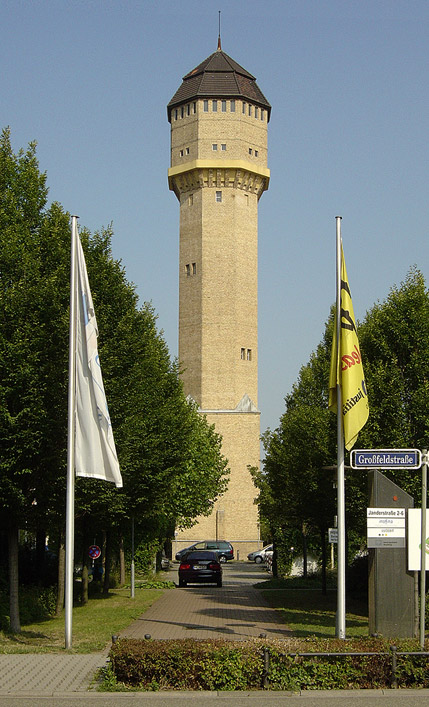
x=70 y=443
x=341 y=548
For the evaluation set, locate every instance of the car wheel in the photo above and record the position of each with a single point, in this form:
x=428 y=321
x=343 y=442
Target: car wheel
x=222 y=558
x=182 y=583
x=258 y=559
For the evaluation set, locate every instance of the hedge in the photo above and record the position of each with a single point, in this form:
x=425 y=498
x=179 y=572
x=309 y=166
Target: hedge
x=190 y=664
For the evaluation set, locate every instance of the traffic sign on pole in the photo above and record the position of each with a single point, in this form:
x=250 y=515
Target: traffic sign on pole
x=94 y=552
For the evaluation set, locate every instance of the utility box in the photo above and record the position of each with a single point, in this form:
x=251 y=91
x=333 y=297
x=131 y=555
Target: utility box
x=391 y=597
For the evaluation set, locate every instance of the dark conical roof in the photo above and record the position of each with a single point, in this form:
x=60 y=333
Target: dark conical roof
x=218 y=76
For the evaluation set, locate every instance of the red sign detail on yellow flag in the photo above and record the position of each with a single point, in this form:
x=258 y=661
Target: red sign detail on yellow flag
x=347 y=369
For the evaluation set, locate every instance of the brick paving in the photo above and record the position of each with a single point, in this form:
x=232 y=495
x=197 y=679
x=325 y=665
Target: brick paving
x=236 y=611
x=48 y=673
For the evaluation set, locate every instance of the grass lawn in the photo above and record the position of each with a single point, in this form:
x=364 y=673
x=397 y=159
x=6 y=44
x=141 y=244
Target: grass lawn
x=310 y=613
x=93 y=624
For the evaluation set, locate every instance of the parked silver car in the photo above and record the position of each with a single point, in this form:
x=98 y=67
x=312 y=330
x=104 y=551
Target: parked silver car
x=259 y=556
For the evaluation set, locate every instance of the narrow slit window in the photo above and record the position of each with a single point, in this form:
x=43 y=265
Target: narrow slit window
x=194 y=268
x=188 y=109
x=194 y=107
x=232 y=108
x=206 y=107
x=214 y=106
x=249 y=354
x=188 y=270
x=187 y=150
x=250 y=109
x=256 y=111
x=214 y=146
x=244 y=106
x=223 y=106
x=182 y=111
x=219 y=196
x=223 y=147
x=243 y=354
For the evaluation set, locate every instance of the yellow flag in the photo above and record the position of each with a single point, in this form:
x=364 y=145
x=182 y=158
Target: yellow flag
x=347 y=369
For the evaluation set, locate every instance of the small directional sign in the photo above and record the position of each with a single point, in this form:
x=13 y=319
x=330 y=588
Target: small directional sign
x=386 y=459
x=333 y=535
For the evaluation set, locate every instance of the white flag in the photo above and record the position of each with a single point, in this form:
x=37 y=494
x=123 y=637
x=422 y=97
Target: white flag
x=95 y=452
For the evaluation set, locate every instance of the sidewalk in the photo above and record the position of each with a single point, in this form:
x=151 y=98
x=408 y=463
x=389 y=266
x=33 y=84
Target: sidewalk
x=48 y=673
x=236 y=611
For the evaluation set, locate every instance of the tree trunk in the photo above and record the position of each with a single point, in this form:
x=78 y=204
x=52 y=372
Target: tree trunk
x=40 y=556
x=121 y=561
x=85 y=567
x=61 y=573
x=324 y=559
x=274 y=566
x=304 y=551
x=12 y=536
x=108 y=563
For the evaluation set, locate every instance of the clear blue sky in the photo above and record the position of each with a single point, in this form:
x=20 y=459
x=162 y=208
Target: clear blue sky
x=348 y=82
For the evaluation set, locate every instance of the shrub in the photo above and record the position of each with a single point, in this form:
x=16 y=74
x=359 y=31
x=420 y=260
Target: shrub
x=144 y=557
x=238 y=665
x=35 y=604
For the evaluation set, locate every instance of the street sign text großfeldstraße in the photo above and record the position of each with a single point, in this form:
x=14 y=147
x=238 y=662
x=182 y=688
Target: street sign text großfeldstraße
x=386 y=459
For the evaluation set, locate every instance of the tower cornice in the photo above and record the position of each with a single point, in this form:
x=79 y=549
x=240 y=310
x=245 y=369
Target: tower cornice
x=238 y=174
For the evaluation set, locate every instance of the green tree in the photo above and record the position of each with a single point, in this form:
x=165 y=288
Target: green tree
x=394 y=339
x=296 y=489
x=170 y=458
x=31 y=381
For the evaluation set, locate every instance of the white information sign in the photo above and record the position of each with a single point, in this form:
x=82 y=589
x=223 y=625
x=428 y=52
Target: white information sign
x=385 y=513
x=415 y=539
x=385 y=527
x=380 y=532
x=333 y=535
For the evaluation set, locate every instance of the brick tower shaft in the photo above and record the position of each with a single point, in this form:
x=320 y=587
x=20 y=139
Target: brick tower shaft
x=218 y=172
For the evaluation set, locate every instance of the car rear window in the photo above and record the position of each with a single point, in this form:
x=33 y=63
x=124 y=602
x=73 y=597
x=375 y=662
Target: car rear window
x=201 y=555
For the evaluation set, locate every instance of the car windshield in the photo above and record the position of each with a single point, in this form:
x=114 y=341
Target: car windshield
x=201 y=555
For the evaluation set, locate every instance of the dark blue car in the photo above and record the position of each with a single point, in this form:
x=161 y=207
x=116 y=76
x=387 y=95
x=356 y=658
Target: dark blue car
x=200 y=566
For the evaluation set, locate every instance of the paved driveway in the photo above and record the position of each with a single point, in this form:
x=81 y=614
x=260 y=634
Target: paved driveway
x=235 y=611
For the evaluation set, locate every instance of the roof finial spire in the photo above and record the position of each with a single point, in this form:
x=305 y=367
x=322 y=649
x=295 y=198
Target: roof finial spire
x=219 y=47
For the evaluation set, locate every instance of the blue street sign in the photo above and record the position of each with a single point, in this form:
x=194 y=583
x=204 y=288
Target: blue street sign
x=385 y=459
